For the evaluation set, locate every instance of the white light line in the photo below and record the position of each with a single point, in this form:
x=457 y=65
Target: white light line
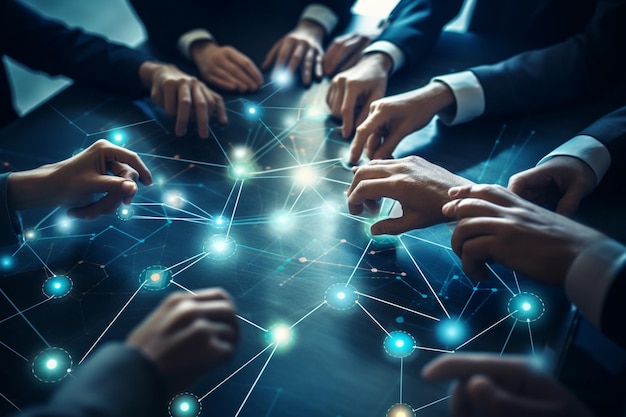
x=235 y=373
x=182 y=287
x=292 y=167
x=467 y=303
x=372 y=317
x=190 y=265
x=359 y=263
x=433 y=349
x=519 y=290
x=40 y=260
x=13 y=350
x=10 y=402
x=27 y=309
x=220 y=145
x=232 y=190
x=111 y=324
x=398 y=306
x=401 y=377
x=100 y=132
x=499 y=279
x=182 y=160
x=430 y=242
x=198 y=220
x=232 y=217
x=433 y=403
x=424 y=277
x=487 y=329
x=24 y=317
x=256 y=380
x=296 y=200
x=46 y=218
x=532 y=343
x=185 y=261
x=506 y=342
x=308 y=314
x=251 y=323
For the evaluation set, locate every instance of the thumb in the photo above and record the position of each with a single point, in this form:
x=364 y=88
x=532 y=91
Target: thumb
x=568 y=204
x=488 y=398
x=114 y=185
x=391 y=226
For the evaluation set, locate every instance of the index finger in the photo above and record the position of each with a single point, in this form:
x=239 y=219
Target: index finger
x=465 y=365
x=184 y=109
x=365 y=129
x=130 y=158
x=347 y=110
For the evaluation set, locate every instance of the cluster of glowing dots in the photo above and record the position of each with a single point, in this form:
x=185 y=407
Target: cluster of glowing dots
x=155 y=278
x=400 y=410
x=57 y=286
x=341 y=296
x=280 y=334
x=185 y=405
x=220 y=247
x=526 y=307
x=125 y=212
x=399 y=344
x=51 y=365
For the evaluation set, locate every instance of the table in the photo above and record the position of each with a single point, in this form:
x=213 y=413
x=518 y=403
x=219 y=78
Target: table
x=335 y=322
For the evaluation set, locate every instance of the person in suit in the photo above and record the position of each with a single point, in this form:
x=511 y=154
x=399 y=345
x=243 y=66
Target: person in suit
x=73 y=183
x=226 y=40
x=50 y=46
x=184 y=338
x=584 y=65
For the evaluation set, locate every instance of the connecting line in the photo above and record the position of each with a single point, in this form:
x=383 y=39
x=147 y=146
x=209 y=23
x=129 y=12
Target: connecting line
x=200 y=209
x=139 y=242
x=519 y=290
x=10 y=402
x=111 y=324
x=120 y=127
x=373 y=319
x=12 y=350
x=271 y=95
x=169 y=268
x=250 y=323
x=42 y=221
x=530 y=333
x=467 y=303
x=24 y=317
x=493 y=149
x=220 y=145
x=307 y=315
x=186 y=211
x=24 y=311
x=40 y=260
x=278 y=140
x=500 y=279
x=335 y=181
x=433 y=349
x=506 y=342
x=256 y=380
x=487 y=329
x=359 y=263
x=514 y=157
x=67 y=119
x=235 y=373
x=424 y=277
x=191 y=161
x=199 y=220
x=232 y=217
x=415 y=410
x=401 y=377
x=232 y=190
x=398 y=306
x=204 y=255
x=428 y=241
x=296 y=200
x=182 y=287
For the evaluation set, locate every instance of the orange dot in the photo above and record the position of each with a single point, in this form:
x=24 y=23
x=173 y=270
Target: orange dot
x=155 y=277
x=303 y=259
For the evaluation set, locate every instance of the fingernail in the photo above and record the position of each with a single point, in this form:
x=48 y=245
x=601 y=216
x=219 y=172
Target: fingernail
x=453 y=192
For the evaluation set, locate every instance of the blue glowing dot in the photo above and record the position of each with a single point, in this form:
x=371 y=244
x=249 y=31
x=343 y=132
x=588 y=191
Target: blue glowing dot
x=451 y=331
x=57 y=286
x=185 y=405
x=118 y=137
x=526 y=306
x=341 y=296
x=51 y=365
x=7 y=262
x=252 y=110
x=220 y=247
x=399 y=319
x=399 y=344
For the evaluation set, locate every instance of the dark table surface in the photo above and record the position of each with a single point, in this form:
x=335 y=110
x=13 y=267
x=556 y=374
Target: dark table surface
x=276 y=180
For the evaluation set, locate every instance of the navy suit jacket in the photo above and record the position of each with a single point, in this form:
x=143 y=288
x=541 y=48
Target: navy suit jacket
x=47 y=45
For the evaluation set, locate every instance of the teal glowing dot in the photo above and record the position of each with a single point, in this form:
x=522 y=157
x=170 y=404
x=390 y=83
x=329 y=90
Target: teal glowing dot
x=185 y=405
x=281 y=335
x=252 y=110
x=526 y=307
x=399 y=344
x=57 y=286
x=451 y=331
x=51 y=365
x=220 y=247
x=341 y=296
x=7 y=262
x=118 y=137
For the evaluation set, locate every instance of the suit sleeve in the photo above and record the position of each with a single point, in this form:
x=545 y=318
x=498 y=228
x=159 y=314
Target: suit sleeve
x=116 y=381
x=48 y=45
x=415 y=25
x=9 y=219
x=612 y=319
x=583 y=65
x=611 y=131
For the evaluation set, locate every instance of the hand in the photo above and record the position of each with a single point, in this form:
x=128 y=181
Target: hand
x=391 y=119
x=74 y=181
x=183 y=96
x=419 y=186
x=493 y=386
x=567 y=177
x=344 y=52
x=358 y=87
x=226 y=67
x=302 y=47
x=188 y=335
x=497 y=225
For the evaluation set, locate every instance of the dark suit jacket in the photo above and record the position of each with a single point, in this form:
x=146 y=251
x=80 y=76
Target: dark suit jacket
x=116 y=381
x=612 y=321
x=49 y=46
x=585 y=64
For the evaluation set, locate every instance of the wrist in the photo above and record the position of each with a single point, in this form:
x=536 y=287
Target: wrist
x=146 y=73
x=379 y=60
x=201 y=48
x=30 y=189
x=440 y=96
x=311 y=27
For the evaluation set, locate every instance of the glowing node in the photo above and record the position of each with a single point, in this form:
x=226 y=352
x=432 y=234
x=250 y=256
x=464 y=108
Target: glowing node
x=57 y=286
x=306 y=176
x=7 y=262
x=117 y=138
x=451 y=331
x=526 y=306
x=174 y=199
x=241 y=153
x=125 y=213
x=155 y=278
x=341 y=296
x=51 y=365
x=185 y=405
x=281 y=334
x=65 y=224
x=283 y=78
x=399 y=344
x=220 y=247
x=252 y=111
x=282 y=221
x=315 y=113
x=400 y=410
x=219 y=222
x=241 y=170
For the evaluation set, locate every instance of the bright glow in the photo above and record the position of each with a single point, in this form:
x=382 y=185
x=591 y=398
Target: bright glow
x=451 y=331
x=341 y=295
x=282 y=221
x=124 y=212
x=241 y=153
x=252 y=110
x=306 y=176
x=526 y=306
x=241 y=170
x=399 y=344
x=283 y=78
x=30 y=234
x=65 y=223
x=219 y=247
x=174 y=199
x=7 y=262
x=280 y=334
x=57 y=285
x=51 y=364
x=155 y=278
x=184 y=406
x=400 y=410
x=118 y=137
x=315 y=113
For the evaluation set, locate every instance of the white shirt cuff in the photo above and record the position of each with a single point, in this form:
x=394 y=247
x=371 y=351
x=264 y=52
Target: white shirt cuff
x=185 y=41
x=590 y=276
x=386 y=47
x=468 y=94
x=322 y=15
x=589 y=150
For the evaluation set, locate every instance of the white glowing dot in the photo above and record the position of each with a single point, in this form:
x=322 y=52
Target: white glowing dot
x=51 y=363
x=57 y=285
x=399 y=343
x=306 y=176
x=184 y=407
x=240 y=153
x=341 y=295
x=30 y=234
x=526 y=306
x=125 y=212
x=251 y=110
x=118 y=137
x=219 y=246
x=281 y=334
